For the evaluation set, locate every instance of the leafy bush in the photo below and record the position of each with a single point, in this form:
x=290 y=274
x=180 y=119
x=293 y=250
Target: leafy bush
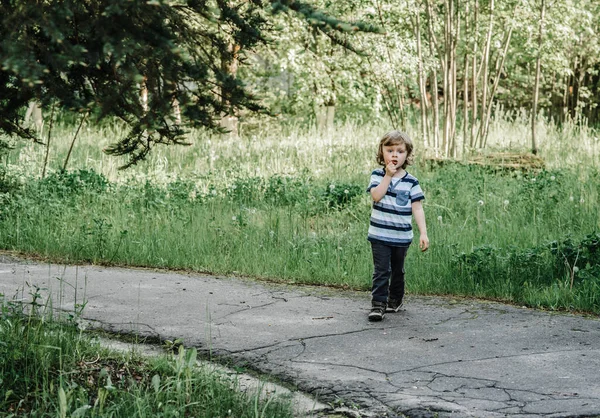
x=341 y=194
x=287 y=190
x=64 y=184
x=540 y=266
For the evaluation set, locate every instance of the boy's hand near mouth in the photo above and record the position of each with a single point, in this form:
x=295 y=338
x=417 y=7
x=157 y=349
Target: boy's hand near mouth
x=392 y=168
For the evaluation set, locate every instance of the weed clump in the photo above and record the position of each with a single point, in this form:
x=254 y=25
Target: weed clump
x=50 y=367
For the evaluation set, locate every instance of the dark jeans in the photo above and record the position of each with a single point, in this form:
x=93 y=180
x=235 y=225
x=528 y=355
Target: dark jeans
x=388 y=272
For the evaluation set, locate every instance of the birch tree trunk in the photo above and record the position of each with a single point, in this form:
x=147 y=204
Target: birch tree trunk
x=455 y=32
x=534 y=148
x=474 y=104
x=499 y=68
x=466 y=85
x=446 y=68
x=48 y=141
x=436 y=112
x=565 y=99
x=433 y=48
x=422 y=84
x=485 y=70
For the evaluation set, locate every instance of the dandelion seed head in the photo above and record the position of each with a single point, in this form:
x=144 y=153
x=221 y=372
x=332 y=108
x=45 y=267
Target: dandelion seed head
x=439 y=218
x=571 y=198
x=582 y=200
x=346 y=191
x=575 y=269
x=480 y=203
x=506 y=202
x=552 y=178
x=331 y=186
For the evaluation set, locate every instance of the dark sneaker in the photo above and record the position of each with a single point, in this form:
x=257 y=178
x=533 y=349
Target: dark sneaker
x=377 y=311
x=394 y=305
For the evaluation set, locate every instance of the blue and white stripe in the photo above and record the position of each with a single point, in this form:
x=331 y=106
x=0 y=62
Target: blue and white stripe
x=391 y=217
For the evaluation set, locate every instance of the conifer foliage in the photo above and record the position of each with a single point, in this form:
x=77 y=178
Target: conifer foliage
x=103 y=57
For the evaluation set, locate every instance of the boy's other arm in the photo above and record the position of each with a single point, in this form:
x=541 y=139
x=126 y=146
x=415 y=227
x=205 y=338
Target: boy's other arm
x=380 y=190
x=419 y=214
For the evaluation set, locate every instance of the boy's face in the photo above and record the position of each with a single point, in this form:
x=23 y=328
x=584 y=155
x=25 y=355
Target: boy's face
x=395 y=154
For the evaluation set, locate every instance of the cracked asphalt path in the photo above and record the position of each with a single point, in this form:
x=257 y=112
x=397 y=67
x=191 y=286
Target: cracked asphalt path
x=439 y=357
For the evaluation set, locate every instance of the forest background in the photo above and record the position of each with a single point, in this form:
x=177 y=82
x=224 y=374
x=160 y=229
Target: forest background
x=281 y=127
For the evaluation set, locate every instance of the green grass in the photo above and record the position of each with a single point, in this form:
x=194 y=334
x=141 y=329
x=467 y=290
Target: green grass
x=290 y=206
x=51 y=368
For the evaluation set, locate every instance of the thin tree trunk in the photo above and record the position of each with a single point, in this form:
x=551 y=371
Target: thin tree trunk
x=499 y=66
x=565 y=100
x=177 y=112
x=453 y=56
x=485 y=70
x=144 y=94
x=34 y=111
x=48 y=141
x=538 y=71
x=433 y=42
x=422 y=84
x=436 y=112
x=447 y=69
x=399 y=95
x=73 y=142
x=433 y=48
x=580 y=82
x=474 y=104
x=229 y=120
x=465 y=106
x=392 y=115
x=466 y=85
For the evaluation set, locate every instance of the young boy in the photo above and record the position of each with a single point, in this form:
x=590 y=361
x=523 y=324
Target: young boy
x=397 y=197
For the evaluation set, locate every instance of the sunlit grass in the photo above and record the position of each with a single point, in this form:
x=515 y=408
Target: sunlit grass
x=344 y=152
x=289 y=204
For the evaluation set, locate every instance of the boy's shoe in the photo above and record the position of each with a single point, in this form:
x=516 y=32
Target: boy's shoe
x=377 y=311
x=394 y=305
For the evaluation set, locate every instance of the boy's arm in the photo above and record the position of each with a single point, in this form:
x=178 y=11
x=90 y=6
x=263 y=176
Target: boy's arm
x=380 y=190
x=419 y=214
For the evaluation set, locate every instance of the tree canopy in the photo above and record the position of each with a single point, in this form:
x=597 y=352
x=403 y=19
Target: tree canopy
x=98 y=57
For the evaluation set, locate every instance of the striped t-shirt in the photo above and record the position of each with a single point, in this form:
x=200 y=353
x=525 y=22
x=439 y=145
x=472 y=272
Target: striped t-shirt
x=391 y=217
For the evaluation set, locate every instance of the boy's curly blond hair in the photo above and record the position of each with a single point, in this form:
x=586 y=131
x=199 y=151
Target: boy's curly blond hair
x=395 y=138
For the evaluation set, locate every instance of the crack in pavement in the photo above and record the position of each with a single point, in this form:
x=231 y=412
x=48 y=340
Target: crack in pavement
x=491 y=358
x=347 y=366
x=242 y=309
x=458 y=317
